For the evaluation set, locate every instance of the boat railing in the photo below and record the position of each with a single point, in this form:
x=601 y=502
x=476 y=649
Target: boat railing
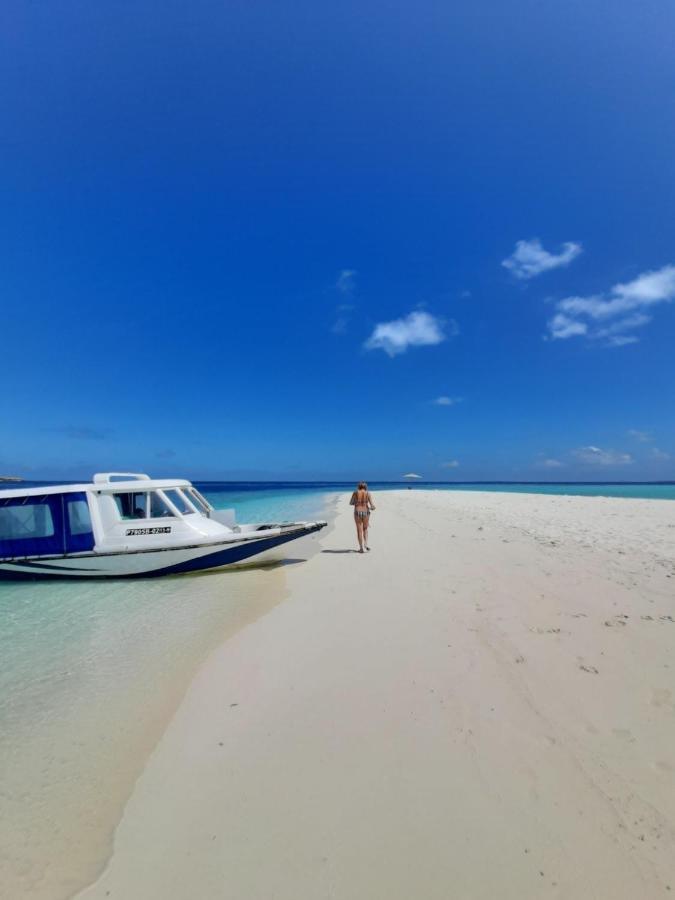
x=111 y=477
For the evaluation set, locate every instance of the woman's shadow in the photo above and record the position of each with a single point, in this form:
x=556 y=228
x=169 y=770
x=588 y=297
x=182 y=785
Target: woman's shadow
x=339 y=551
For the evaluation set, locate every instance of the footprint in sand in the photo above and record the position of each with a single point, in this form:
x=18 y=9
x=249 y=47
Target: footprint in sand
x=591 y=669
x=616 y=620
x=662 y=697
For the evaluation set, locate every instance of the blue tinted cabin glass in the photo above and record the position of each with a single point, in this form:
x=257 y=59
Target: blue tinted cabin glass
x=79 y=521
x=31 y=526
x=79 y=533
x=26 y=521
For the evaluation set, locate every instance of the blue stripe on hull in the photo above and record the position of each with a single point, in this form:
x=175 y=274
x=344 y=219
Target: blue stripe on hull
x=227 y=557
x=224 y=557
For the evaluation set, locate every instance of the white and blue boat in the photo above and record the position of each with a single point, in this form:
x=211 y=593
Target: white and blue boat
x=126 y=525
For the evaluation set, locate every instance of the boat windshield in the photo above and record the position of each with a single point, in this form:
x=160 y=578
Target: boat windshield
x=142 y=505
x=175 y=496
x=158 y=507
x=153 y=504
x=197 y=500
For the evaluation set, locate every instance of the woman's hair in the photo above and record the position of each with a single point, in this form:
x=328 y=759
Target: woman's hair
x=362 y=486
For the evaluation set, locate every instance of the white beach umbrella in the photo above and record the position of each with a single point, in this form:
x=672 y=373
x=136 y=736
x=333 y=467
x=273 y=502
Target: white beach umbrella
x=412 y=475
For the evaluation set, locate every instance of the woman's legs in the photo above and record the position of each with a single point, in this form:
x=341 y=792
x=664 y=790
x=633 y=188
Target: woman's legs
x=366 y=523
x=359 y=531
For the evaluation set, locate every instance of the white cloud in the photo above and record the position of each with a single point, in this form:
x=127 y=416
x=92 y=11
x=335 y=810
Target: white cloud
x=612 y=318
x=346 y=281
x=417 y=329
x=643 y=436
x=660 y=454
x=596 y=456
x=648 y=288
x=446 y=401
x=576 y=306
x=343 y=318
x=529 y=259
x=561 y=326
x=637 y=320
x=621 y=340
x=451 y=464
x=550 y=464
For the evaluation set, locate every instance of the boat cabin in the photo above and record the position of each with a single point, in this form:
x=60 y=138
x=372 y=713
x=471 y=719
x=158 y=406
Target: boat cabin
x=117 y=512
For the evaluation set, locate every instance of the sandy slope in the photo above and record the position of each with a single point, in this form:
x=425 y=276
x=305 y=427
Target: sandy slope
x=482 y=707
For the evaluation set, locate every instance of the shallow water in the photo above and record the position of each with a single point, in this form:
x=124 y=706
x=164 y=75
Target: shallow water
x=90 y=675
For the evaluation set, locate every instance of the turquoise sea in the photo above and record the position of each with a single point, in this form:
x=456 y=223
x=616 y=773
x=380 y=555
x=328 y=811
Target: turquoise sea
x=90 y=674
x=263 y=500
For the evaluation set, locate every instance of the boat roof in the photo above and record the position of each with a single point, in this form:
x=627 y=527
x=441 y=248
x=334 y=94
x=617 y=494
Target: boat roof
x=103 y=482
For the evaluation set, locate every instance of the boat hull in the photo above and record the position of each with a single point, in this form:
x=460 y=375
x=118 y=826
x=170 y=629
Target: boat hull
x=153 y=563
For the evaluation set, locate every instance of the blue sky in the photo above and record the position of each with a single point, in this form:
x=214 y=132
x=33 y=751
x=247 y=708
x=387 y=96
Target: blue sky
x=212 y=213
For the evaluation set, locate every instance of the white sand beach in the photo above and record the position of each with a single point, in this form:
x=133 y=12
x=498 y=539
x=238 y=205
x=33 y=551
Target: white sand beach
x=482 y=707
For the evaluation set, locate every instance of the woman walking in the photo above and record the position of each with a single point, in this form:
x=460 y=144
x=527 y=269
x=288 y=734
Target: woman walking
x=362 y=503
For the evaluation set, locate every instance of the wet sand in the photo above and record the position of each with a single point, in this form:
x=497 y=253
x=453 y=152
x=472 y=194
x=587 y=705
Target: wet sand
x=481 y=707
x=91 y=674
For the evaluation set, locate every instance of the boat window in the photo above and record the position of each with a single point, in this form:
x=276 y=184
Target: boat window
x=198 y=500
x=29 y=520
x=178 y=500
x=45 y=525
x=79 y=535
x=158 y=508
x=132 y=505
x=79 y=521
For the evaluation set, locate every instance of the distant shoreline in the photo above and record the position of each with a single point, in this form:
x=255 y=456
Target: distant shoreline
x=321 y=482
x=12 y=479
x=233 y=493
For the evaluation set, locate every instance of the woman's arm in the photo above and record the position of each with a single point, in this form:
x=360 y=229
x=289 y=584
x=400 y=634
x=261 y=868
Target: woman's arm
x=370 y=501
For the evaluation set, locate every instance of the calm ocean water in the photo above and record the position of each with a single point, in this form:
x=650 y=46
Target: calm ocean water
x=291 y=500
x=91 y=672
